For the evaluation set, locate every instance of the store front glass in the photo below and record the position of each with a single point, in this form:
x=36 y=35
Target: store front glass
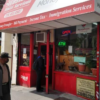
x=76 y=46
x=25 y=49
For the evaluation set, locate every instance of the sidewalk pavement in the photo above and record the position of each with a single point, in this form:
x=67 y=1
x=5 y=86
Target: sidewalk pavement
x=23 y=93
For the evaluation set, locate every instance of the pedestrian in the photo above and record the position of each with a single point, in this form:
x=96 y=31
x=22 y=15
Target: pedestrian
x=5 y=80
x=40 y=68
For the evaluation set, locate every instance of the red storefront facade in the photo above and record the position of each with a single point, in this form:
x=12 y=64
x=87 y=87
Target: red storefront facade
x=18 y=20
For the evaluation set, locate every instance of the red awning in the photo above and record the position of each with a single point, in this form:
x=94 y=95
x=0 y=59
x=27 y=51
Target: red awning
x=35 y=14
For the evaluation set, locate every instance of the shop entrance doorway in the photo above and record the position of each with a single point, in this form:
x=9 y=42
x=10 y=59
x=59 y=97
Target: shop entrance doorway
x=43 y=47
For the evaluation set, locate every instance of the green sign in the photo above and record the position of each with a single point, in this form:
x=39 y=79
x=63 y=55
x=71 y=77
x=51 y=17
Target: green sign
x=62 y=44
x=79 y=59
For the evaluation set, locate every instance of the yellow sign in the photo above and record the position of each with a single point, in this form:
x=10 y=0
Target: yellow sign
x=86 y=88
x=24 y=56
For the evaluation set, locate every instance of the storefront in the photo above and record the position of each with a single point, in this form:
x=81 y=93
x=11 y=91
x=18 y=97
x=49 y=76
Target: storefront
x=68 y=33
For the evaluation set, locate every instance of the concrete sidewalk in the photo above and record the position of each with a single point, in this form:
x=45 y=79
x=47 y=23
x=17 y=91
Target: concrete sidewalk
x=23 y=93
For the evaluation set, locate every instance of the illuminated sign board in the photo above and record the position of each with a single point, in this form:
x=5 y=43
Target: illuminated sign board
x=62 y=44
x=66 y=32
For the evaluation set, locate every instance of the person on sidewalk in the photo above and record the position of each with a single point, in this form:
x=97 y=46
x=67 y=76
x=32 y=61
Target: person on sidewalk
x=41 y=67
x=5 y=80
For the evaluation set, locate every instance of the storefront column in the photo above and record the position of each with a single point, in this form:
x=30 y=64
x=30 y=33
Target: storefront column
x=98 y=60
x=47 y=64
x=6 y=46
x=15 y=58
x=19 y=56
x=19 y=48
x=31 y=55
x=53 y=68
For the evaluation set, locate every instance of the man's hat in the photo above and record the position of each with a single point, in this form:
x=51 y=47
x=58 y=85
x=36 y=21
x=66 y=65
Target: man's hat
x=5 y=55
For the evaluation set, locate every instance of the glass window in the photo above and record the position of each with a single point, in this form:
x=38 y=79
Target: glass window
x=71 y=42
x=25 y=49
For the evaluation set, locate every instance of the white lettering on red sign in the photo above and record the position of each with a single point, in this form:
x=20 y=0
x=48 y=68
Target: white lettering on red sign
x=12 y=2
x=20 y=22
x=97 y=95
x=53 y=15
x=82 y=8
x=24 y=78
x=13 y=13
x=17 y=5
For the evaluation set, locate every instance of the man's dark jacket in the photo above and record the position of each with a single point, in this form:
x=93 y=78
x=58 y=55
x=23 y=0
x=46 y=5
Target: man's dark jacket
x=40 y=62
x=1 y=77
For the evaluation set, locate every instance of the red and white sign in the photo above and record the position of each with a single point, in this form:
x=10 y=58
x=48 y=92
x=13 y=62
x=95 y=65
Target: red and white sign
x=25 y=78
x=66 y=32
x=24 y=12
x=86 y=28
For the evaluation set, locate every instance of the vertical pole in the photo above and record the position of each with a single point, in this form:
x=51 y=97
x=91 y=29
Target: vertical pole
x=98 y=60
x=31 y=55
x=47 y=63
x=53 y=68
x=19 y=56
x=19 y=50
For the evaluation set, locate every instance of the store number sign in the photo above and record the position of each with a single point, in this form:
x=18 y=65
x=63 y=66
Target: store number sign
x=62 y=44
x=86 y=88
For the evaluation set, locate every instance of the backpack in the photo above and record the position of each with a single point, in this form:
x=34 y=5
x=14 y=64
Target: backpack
x=35 y=64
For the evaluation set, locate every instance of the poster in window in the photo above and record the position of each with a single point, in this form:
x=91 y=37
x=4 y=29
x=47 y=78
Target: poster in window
x=24 y=56
x=24 y=50
x=86 y=28
x=86 y=88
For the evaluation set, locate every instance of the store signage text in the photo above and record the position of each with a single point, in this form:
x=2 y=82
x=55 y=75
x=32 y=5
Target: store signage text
x=12 y=2
x=87 y=28
x=45 y=16
x=66 y=32
x=44 y=2
x=62 y=44
x=24 y=78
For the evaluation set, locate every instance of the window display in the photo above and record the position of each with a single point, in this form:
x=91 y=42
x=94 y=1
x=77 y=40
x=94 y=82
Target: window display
x=76 y=46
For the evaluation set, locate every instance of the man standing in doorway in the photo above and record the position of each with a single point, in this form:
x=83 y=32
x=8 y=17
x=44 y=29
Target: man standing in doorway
x=41 y=67
x=5 y=80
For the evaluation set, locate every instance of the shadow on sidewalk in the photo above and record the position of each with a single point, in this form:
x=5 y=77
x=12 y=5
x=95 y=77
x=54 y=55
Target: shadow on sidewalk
x=52 y=94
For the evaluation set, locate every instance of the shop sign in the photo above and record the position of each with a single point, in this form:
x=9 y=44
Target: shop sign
x=66 y=32
x=62 y=44
x=24 y=50
x=21 y=12
x=79 y=59
x=24 y=56
x=25 y=78
x=86 y=88
x=86 y=28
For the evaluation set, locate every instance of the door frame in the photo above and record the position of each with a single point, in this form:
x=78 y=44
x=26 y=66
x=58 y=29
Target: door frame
x=47 y=66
